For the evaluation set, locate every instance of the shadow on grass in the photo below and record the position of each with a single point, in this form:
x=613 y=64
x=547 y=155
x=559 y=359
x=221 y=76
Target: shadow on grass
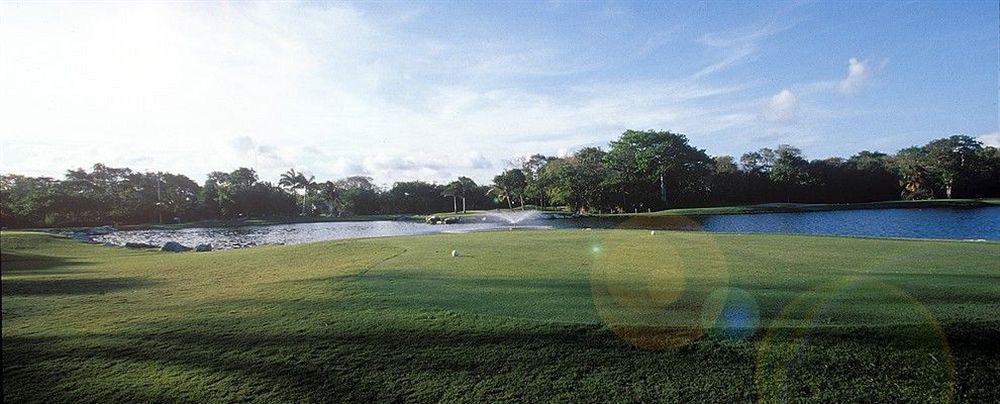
x=375 y=361
x=346 y=364
x=26 y=264
x=54 y=287
x=365 y=349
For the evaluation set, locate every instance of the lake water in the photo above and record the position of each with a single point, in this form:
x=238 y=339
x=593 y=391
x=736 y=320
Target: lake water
x=958 y=224
x=294 y=233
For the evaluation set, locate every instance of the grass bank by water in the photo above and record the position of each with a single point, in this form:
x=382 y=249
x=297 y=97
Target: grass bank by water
x=568 y=315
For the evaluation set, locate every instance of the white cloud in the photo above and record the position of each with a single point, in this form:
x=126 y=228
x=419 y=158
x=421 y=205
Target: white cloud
x=194 y=88
x=738 y=45
x=243 y=146
x=655 y=41
x=262 y=156
x=439 y=167
x=990 y=139
x=858 y=72
x=781 y=107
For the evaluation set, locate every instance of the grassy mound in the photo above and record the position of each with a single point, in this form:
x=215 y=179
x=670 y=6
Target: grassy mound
x=570 y=315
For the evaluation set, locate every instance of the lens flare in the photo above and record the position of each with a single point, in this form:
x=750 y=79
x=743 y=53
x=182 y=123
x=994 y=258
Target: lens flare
x=835 y=308
x=730 y=313
x=640 y=285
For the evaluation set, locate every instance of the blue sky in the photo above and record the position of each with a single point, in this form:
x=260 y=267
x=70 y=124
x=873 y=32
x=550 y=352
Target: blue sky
x=403 y=90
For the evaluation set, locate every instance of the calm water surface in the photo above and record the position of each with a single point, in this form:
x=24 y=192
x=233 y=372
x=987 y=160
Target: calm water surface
x=958 y=224
x=294 y=233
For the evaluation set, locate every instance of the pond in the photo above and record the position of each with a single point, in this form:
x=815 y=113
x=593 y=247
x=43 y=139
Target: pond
x=957 y=224
x=293 y=233
x=938 y=223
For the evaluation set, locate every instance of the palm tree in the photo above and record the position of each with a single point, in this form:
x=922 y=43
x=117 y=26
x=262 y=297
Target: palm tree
x=288 y=178
x=465 y=185
x=501 y=193
x=294 y=181
x=307 y=185
x=453 y=190
x=330 y=193
x=510 y=183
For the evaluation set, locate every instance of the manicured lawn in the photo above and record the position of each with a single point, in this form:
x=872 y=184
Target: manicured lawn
x=567 y=315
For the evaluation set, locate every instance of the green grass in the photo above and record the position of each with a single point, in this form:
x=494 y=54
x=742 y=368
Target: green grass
x=561 y=315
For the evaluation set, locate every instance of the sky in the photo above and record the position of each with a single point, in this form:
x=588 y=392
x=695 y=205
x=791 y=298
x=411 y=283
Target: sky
x=408 y=90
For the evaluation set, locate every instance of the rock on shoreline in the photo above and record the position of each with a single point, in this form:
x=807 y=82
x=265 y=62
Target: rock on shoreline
x=173 y=246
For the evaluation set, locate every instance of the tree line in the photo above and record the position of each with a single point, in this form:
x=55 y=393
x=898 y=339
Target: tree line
x=108 y=195
x=653 y=170
x=639 y=171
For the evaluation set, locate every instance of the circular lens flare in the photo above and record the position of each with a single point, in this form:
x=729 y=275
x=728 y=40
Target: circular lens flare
x=730 y=313
x=842 y=309
x=650 y=290
x=595 y=248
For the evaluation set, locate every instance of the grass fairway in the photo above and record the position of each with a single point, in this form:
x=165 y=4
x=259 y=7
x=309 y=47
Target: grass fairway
x=568 y=315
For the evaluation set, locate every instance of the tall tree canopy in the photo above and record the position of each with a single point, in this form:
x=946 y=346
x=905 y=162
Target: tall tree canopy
x=663 y=161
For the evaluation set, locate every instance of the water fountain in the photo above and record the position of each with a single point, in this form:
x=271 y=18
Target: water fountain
x=514 y=218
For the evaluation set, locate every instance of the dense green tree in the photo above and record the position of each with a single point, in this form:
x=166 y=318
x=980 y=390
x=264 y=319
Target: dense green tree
x=28 y=201
x=664 y=161
x=210 y=196
x=579 y=181
x=869 y=178
x=328 y=193
x=465 y=187
x=415 y=197
x=725 y=165
x=358 y=196
x=985 y=176
x=789 y=170
x=510 y=185
x=728 y=183
x=242 y=195
x=760 y=161
x=914 y=176
x=534 y=188
x=952 y=159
